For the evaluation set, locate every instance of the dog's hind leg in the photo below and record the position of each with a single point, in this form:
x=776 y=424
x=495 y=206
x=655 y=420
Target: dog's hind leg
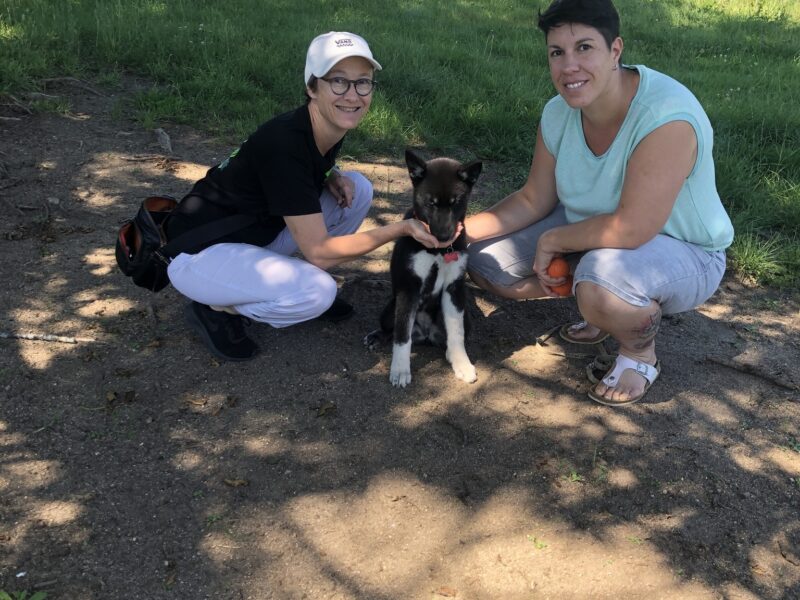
x=453 y=304
x=404 y=315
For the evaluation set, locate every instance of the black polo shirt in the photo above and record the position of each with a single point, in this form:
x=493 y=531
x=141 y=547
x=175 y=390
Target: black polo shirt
x=278 y=171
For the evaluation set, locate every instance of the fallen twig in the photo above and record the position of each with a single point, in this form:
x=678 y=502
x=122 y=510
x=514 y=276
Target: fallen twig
x=10 y=119
x=18 y=104
x=10 y=183
x=40 y=96
x=151 y=312
x=75 y=82
x=581 y=355
x=547 y=335
x=45 y=337
x=751 y=369
x=13 y=207
x=145 y=157
x=46 y=206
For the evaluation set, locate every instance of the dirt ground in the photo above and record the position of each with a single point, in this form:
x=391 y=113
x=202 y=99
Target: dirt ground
x=134 y=465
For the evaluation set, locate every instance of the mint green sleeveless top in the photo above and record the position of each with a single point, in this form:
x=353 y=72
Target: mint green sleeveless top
x=590 y=185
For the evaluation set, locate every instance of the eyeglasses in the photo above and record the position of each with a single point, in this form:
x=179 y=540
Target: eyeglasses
x=340 y=85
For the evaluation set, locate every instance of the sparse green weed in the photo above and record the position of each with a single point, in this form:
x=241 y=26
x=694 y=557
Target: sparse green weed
x=22 y=595
x=574 y=477
x=537 y=543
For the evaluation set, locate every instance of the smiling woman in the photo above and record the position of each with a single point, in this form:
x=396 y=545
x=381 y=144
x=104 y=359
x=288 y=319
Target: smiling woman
x=622 y=184
x=283 y=181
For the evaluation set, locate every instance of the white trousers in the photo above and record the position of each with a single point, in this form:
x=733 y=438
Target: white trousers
x=267 y=284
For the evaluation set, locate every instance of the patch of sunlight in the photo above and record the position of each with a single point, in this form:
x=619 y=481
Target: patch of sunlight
x=190 y=172
x=620 y=477
x=29 y=475
x=746 y=461
x=506 y=531
x=56 y=512
x=156 y=7
x=720 y=412
x=264 y=446
x=100 y=260
x=10 y=439
x=687 y=12
x=384 y=205
x=786 y=460
x=188 y=460
x=10 y=32
x=383 y=537
x=219 y=546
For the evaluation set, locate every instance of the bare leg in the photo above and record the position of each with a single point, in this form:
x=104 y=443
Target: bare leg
x=523 y=290
x=633 y=327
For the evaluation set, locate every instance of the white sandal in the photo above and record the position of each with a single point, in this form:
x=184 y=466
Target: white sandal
x=622 y=364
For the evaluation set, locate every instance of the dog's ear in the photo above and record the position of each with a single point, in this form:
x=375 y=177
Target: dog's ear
x=469 y=172
x=417 y=168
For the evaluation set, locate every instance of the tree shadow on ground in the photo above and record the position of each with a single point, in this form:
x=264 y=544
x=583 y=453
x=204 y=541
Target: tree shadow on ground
x=138 y=465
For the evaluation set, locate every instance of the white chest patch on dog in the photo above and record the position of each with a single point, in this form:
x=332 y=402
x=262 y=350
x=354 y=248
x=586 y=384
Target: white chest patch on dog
x=448 y=272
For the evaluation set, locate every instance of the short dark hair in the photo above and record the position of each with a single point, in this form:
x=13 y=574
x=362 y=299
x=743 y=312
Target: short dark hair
x=312 y=85
x=599 y=14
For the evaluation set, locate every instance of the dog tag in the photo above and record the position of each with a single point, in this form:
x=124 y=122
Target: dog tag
x=450 y=257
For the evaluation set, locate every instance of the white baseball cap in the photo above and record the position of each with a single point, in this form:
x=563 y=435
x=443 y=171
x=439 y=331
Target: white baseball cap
x=329 y=48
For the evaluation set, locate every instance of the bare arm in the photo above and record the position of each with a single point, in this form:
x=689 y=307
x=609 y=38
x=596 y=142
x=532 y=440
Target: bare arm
x=656 y=172
x=326 y=251
x=534 y=201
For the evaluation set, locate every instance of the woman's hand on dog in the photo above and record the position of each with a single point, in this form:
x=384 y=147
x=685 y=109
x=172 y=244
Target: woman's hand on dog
x=420 y=232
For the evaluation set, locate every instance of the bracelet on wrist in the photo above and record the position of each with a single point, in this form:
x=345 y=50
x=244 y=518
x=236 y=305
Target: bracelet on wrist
x=333 y=171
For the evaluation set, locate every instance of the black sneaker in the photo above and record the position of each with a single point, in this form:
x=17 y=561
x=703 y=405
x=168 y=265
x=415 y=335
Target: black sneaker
x=338 y=311
x=222 y=333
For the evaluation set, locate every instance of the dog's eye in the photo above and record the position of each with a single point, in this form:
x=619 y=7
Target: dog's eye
x=431 y=201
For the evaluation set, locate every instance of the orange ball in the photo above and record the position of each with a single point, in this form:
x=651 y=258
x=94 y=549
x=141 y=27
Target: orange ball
x=565 y=289
x=558 y=268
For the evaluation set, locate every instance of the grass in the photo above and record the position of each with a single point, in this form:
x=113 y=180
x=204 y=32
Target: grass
x=466 y=78
x=23 y=595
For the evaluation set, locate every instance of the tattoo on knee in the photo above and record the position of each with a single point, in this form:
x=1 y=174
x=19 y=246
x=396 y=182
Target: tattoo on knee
x=648 y=330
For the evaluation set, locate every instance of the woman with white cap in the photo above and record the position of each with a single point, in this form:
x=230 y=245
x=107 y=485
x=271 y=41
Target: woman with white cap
x=284 y=178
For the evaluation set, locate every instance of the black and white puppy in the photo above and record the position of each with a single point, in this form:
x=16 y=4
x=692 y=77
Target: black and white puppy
x=428 y=293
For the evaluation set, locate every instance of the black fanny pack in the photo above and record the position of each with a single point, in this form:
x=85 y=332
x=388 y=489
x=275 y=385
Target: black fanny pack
x=143 y=252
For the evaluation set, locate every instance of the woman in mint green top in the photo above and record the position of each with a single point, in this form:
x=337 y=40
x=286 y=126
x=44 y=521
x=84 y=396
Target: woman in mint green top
x=622 y=184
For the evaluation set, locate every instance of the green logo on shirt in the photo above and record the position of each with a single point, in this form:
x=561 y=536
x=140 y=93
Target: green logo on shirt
x=225 y=162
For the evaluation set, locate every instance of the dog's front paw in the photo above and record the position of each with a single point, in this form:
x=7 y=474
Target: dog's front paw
x=465 y=371
x=400 y=378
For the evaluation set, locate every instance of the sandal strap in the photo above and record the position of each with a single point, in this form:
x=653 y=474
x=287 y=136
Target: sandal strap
x=623 y=363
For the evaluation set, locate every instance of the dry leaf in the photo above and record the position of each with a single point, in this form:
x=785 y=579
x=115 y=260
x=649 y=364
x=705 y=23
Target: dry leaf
x=326 y=408
x=447 y=592
x=111 y=396
x=169 y=580
x=236 y=482
x=196 y=402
